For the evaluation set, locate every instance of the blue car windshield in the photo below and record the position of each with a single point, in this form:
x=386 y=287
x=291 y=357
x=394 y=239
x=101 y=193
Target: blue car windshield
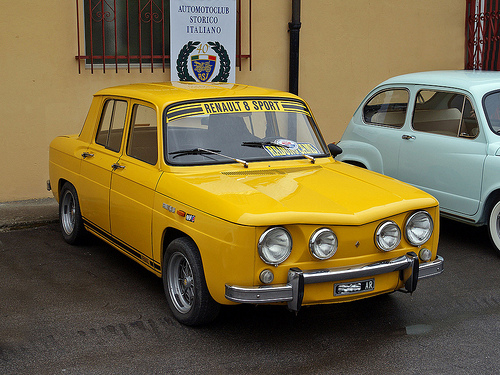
x=491 y=105
x=220 y=131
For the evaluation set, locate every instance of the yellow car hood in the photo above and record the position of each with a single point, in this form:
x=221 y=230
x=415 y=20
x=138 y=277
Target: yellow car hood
x=327 y=194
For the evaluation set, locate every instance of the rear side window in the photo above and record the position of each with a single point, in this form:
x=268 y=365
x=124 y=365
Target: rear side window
x=445 y=113
x=112 y=123
x=387 y=108
x=142 y=142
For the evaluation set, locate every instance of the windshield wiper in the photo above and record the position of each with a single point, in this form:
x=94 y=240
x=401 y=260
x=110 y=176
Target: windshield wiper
x=260 y=144
x=192 y=151
x=273 y=143
x=202 y=151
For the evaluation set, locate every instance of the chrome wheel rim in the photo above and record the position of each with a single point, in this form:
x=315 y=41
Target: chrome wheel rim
x=498 y=225
x=68 y=212
x=180 y=282
x=494 y=226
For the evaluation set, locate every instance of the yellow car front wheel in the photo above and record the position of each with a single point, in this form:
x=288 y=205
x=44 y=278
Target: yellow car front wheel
x=184 y=283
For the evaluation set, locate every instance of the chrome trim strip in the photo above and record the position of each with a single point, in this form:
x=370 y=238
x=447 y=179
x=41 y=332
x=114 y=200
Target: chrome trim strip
x=431 y=268
x=260 y=294
x=358 y=271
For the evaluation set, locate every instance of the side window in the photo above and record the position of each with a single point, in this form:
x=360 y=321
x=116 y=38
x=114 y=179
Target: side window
x=142 y=142
x=445 y=113
x=112 y=123
x=491 y=104
x=387 y=108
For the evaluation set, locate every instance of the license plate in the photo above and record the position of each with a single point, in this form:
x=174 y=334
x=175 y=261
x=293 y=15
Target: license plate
x=354 y=287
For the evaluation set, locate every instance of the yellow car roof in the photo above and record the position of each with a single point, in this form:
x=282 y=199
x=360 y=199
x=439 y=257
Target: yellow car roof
x=169 y=92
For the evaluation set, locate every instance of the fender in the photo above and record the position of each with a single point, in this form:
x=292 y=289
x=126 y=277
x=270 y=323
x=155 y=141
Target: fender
x=361 y=153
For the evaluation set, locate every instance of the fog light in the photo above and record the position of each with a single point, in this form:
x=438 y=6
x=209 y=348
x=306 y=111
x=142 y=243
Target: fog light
x=266 y=276
x=425 y=254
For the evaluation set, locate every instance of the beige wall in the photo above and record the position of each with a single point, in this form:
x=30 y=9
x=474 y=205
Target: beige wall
x=346 y=47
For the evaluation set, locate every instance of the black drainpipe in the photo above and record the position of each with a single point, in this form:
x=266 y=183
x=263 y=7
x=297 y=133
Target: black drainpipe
x=294 y=29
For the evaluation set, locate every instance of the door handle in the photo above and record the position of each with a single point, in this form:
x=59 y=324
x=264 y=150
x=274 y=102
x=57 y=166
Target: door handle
x=407 y=137
x=117 y=166
x=87 y=155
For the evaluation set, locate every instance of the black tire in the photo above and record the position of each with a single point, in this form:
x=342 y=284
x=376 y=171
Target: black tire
x=70 y=217
x=494 y=226
x=184 y=283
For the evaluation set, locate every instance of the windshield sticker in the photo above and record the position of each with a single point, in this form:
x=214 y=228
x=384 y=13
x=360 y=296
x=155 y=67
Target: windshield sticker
x=301 y=149
x=235 y=106
x=286 y=143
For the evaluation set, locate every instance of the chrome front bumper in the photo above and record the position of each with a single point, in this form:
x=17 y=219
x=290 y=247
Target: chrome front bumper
x=293 y=291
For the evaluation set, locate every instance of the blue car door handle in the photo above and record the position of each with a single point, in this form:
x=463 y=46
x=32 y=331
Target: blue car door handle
x=407 y=137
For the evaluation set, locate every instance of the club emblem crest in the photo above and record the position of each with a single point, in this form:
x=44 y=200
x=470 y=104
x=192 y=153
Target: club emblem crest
x=203 y=66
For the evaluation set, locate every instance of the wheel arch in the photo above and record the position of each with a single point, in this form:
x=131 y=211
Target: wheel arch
x=493 y=197
x=60 y=184
x=355 y=163
x=170 y=234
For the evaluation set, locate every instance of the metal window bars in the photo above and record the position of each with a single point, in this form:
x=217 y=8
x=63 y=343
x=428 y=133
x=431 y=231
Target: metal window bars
x=129 y=33
x=482 y=35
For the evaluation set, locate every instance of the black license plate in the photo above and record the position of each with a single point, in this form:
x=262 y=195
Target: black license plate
x=342 y=289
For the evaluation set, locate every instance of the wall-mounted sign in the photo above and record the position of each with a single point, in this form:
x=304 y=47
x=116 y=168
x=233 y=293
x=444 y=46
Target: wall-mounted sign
x=203 y=40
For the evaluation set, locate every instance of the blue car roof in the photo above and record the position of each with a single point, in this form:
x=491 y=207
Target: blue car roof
x=475 y=81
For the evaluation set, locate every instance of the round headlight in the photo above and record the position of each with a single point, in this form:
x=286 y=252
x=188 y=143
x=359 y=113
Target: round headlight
x=388 y=236
x=323 y=244
x=275 y=245
x=419 y=227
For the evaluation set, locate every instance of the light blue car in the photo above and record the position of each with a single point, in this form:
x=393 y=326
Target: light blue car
x=439 y=131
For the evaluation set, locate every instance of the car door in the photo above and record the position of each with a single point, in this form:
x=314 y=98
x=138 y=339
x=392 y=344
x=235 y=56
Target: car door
x=443 y=153
x=380 y=124
x=134 y=181
x=97 y=165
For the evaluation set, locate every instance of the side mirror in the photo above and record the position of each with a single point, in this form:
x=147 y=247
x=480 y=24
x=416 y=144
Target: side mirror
x=334 y=149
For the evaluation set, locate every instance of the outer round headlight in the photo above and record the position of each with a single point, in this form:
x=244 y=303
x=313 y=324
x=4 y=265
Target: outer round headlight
x=323 y=244
x=387 y=236
x=275 y=245
x=419 y=227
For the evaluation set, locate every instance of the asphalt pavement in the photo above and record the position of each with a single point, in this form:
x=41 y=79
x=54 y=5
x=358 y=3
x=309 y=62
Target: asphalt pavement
x=91 y=310
x=27 y=213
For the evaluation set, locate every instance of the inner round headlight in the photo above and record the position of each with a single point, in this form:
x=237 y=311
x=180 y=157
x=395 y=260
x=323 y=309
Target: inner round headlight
x=275 y=245
x=323 y=244
x=419 y=227
x=387 y=236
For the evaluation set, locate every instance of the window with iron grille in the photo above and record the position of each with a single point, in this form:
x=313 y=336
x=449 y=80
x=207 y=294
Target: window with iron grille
x=132 y=34
x=483 y=35
x=126 y=33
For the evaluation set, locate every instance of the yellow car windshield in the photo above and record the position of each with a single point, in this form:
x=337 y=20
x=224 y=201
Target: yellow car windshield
x=250 y=129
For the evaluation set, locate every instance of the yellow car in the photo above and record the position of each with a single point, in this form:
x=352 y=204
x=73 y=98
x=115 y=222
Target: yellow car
x=230 y=194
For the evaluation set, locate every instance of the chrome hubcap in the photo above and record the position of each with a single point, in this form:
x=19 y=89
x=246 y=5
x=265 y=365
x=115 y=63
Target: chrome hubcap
x=68 y=212
x=180 y=282
x=498 y=224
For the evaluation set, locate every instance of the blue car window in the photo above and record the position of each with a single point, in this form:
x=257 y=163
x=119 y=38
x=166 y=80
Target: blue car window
x=445 y=113
x=491 y=105
x=387 y=108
